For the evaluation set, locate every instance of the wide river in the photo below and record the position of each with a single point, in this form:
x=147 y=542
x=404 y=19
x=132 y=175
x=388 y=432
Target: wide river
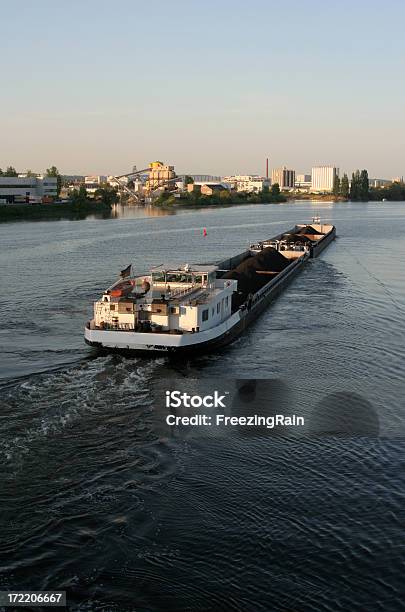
x=99 y=497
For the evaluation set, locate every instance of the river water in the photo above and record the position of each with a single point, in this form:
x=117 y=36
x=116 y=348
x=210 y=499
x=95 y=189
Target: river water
x=100 y=498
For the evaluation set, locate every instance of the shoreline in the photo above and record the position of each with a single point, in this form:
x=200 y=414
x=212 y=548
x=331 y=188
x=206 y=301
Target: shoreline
x=43 y=212
x=318 y=197
x=58 y=212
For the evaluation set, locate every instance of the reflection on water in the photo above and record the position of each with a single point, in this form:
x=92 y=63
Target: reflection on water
x=135 y=211
x=101 y=498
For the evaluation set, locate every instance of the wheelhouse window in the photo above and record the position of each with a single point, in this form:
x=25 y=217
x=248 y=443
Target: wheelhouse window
x=205 y=315
x=158 y=277
x=179 y=277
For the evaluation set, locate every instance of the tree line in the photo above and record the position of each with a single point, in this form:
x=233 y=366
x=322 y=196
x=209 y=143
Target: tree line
x=105 y=194
x=394 y=192
x=356 y=189
x=10 y=171
x=267 y=195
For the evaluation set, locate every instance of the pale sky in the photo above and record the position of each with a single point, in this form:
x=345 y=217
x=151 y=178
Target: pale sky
x=94 y=86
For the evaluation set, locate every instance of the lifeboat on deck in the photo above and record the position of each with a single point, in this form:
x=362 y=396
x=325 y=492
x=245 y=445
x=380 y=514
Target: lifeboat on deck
x=122 y=289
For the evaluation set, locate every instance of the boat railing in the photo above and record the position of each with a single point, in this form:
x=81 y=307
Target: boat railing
x=118 y=326
x=176 y=293
x=180 y=292
x=293 y=246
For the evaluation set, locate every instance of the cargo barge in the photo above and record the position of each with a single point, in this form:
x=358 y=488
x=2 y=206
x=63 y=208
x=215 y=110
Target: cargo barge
x=200 y=308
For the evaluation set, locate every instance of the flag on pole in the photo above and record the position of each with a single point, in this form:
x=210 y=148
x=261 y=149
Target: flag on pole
x=126 y=271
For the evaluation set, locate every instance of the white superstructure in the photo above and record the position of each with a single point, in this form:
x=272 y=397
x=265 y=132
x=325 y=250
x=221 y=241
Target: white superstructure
x=168 y=301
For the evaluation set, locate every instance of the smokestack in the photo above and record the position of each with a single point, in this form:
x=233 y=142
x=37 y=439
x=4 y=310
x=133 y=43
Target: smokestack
x=267 y=167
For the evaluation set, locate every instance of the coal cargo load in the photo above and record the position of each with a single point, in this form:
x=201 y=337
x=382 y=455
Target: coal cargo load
x=309 y=230
x=246 y=273
x=298 y=238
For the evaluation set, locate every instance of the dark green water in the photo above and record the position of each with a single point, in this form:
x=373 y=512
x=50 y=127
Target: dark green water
x=101 y=499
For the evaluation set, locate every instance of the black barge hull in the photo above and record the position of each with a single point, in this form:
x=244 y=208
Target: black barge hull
x=323 y=243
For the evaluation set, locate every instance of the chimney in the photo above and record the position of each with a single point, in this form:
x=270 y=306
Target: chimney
x=267 y=168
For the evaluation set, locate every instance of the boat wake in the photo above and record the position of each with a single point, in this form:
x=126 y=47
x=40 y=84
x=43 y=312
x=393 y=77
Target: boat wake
x=43 y=406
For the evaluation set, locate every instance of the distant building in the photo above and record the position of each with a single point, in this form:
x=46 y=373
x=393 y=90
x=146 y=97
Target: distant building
x=27 y=189
x=160 y=176
x=373 y=182
x=73 y=178
x=302 y=178
x=249 y=183
x=212 y=183
x=125 y=185
x=92 y=183
x=212 y=189
x=284 y=177
x=116 y=182
x=323 y=178
x=202 y=178
x=138 y=186
x=303 y=182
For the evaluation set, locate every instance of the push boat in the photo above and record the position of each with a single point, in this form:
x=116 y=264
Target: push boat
x=200 y=308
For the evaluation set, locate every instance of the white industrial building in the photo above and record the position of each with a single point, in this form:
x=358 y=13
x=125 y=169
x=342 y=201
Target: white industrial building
x=92 y=183
x=323 y=178
x=27 y=189
x=250 y=183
